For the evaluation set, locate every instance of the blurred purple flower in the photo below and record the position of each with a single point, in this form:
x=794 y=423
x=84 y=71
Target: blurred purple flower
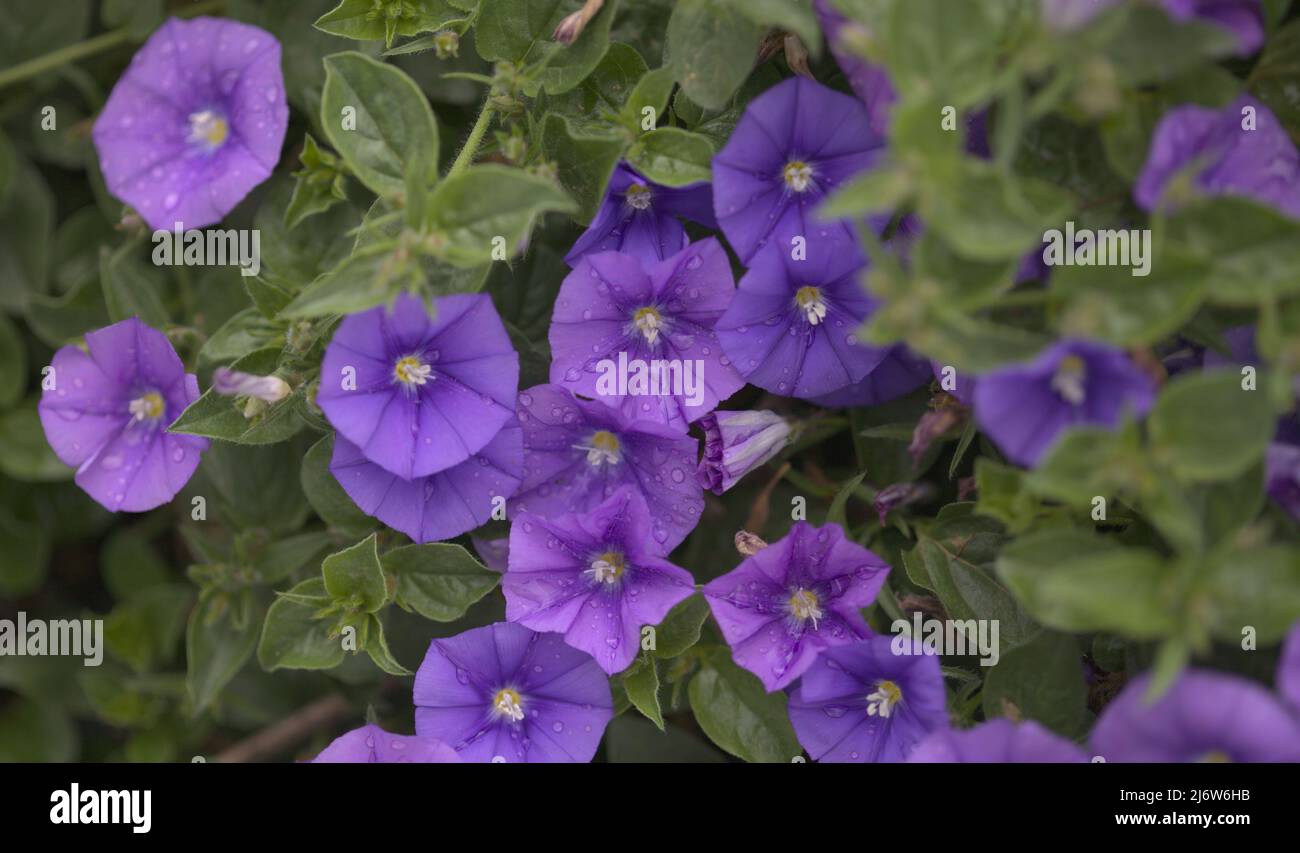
x=577 y=453
x=1288 y=669
x=596 y=577
x=795 y=598
x=1204 y=716
x=796 y=143
x=372 y=745
x=493 y=552
x=108 y=411
x=1243 y=18
x=1025 y=408
x=899 y=372
x=869 y=82
x=736 y=443
x=1225 y=159
x=1282 y=477
x=443 y=504
x=869 y=702
x=959 y=383
x=640 y=218
x=504 y=692
x=615 y=312
x=419 y=394
x=195 y=122
x=997 y=741
x=792 y=326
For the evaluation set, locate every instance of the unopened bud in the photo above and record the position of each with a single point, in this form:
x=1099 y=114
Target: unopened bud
x=446 y=44
x=568 y=30
x=233 y=383
x=748 y=544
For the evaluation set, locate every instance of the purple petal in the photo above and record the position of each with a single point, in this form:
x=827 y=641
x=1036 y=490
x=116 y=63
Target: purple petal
x=372 y=745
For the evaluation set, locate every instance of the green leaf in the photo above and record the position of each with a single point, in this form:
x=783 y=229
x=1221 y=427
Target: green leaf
x=438 y=580
x=1075 y=581
x=943 y=50
x=712 y=48
x=366 y=20
x=672 y=156
x=293 y=638
x=317 y=187
x=486 y=202
x=1273 y=77
x=652 y=92
x=140 y=17
x=641 y=682
x=13 y=363
x=258 y=486
x=1204 y=426
x=794 y=16
x=1248 y=248
x=583 y=162
x=738 y=715
x=519 y=31
x=215 y=647
x=1258 y=587
x=143 y=631
x=216 y=416
x=325 y=494
x=24 y=453
x=681 y=627
x=633 y=740
x=394 y=124
x=354 y=576
x=26 y=232
x=377 y=648
x=244 y=333
x=32 y=731
x=24 y=556
x=1043 y=681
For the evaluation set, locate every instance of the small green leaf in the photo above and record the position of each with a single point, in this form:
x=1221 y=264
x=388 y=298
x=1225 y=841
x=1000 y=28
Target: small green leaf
x=1205 y=426
x=641 y=682
x=438 y=580
x=680 y=629
x=738 y=715
x=377 y=648
x=293 y=638
x=355 y=576
x=672 y=156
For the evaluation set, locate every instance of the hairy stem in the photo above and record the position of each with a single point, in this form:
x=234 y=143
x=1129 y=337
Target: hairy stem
x=466 y=155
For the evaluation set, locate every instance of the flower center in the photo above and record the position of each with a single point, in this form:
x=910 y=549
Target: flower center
x=607 y=568
x=648 y=322
x=410 y=371
x=638 y=196
x=798 y=175
x=1069 y=380
x=208 y=129
x=809 y=299
x=881 y=702
x=604 y=447
x=146 y=407
x=508 y=704
x=805 y=605
x=1215 y=756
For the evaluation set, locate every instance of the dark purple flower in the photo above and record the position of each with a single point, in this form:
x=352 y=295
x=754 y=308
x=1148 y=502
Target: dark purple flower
x=440 y=505
x=1288 y=669
x=640 y=336
x=899 y=495
x=596 y=577
x=959 y=383
x=736 y=443
x=107 y=413
x=795 y=598
x=640 y=218
x=868 y=702
x=1223 y=157
x=900 y=372
x=795 y=144
x=792 y=326
x=1204 y=716
x=998 y=741
x=1241 y=349
x=1243 y=18
x=869 y=82
x=420 y=394
x=1282 y=477
x=1025 y=408
x=493 y=552
x=577 y=453
x=505 y=693
x=195 y=122
x=372 y=745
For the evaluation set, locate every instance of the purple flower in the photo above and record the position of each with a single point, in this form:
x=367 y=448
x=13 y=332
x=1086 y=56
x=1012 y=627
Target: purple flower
x=440 y=505
x=1223 y=157
x=899 y=372
x=869 y=82
x=1243 y=18
x=795 y=144
x=640 y=336
x=795 y=598
x=1204 y=716
x=1288 y=669
x=640 y=218
x=1282 y=477
x=372 y=745
x=420 y=394
x=792 y=326
x=578 y=453
x=952 y=380
x=736 y=443
x=596 y=577
x=195 y=122
x=107 y=413
x=505 y=693
x=997 y=741
x=493 y=552
x=1025 y=408
x=871 y=701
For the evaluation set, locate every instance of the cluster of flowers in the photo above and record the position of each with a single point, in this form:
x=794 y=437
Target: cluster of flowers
x=432 y=436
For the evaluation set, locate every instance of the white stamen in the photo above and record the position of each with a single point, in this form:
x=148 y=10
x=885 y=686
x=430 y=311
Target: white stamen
x=638 y=197
x=147 y=407
x=410 y=371
x=881 y=702
x=607 y=568
x=648 y=322
x=603 y=448
x=508 y=705
x=1069 y=381
x=809 y=299
x=804 y=605
x=798 y=175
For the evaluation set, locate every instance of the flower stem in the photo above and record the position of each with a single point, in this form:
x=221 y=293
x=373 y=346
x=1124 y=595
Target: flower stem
x=466 y=155
x=76 y=52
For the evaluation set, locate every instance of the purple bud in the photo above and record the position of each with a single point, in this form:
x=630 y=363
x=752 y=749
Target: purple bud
x=736 y=443
x=233 y=383
x=900 y=495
